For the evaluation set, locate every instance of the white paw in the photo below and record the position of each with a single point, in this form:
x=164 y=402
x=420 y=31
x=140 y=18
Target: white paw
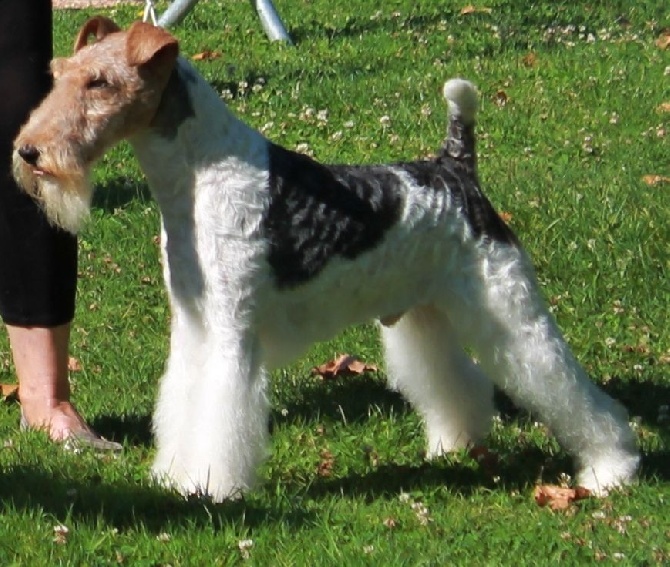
x=202 y=483
x=440 y=445
x=604 y=475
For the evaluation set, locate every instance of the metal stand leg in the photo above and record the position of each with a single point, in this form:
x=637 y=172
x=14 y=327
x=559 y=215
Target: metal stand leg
x=270 y=20
x=176 y=12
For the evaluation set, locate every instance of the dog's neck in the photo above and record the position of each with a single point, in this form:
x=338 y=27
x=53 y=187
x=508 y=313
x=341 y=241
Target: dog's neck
x=193 y=130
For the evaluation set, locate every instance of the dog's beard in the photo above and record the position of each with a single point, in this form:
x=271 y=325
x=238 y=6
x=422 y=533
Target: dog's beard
x=66 y=205
x=66 y=199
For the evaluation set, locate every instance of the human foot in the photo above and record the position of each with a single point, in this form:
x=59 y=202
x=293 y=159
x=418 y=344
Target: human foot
x=62 y=423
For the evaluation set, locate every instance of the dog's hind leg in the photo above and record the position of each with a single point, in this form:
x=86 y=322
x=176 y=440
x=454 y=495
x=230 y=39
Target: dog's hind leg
x=519 y=345
x=428 y=366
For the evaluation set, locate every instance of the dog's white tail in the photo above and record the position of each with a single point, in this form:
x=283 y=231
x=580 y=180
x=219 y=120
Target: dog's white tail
x=462 y=100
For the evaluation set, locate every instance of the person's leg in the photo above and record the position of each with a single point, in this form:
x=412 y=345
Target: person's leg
x=41 y=360
x=38 y=263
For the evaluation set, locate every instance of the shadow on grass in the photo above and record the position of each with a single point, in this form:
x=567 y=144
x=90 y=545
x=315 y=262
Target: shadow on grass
x=642 y=398
x=516 y=468
x=130 y=429
x=133 y=503
x=119 y=192
x=127 y=505
x=350 y=399
x=463 y=478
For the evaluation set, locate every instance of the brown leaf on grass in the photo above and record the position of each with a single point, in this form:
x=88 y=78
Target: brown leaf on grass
x=500 y=98
x=663 y=107
x=343 y=365
x=529 y=60
x=470 y=9
x=325 y=466
x=653 y=179
x=557 y=497
x=73 y=365
x=663 y=41
x=9 y=392
x=505 y=216
x=390 y=522
x=637 y=349
x=206 y=55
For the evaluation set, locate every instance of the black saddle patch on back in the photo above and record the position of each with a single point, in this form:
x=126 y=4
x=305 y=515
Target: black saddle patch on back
x=317 y=212
x=460 y=179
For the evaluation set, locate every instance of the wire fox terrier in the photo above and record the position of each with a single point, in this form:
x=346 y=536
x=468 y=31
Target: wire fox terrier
x=266 y=251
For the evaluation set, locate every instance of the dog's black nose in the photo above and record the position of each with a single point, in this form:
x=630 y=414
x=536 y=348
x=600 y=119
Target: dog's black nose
x=29 y=153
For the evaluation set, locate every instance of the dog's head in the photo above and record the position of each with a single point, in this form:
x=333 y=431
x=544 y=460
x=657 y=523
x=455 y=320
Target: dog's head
x=108 y=90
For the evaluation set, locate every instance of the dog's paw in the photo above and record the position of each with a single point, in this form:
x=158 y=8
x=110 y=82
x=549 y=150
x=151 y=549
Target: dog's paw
x=199 y=484
x=607 y=474
x=439 y=446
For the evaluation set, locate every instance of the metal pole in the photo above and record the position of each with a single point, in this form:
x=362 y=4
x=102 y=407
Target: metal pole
x=270 y=20
x=176 y=12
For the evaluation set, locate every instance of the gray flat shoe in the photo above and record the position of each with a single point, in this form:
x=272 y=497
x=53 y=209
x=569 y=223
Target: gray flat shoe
x=78 y=441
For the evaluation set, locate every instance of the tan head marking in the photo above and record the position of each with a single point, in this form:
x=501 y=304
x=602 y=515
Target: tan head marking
x=151 y=46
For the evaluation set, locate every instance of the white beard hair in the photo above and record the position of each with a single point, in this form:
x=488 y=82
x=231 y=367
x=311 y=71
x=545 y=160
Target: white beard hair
x=66 y=203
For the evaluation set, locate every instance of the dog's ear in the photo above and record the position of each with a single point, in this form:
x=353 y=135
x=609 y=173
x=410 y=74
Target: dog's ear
x=152 y=46
x=98 y=27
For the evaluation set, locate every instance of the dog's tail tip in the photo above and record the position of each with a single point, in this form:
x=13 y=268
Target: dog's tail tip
x=462 y=99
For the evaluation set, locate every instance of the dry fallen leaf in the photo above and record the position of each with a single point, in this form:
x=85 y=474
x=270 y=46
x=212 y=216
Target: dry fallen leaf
x=9 y=392
x=500 y=98
x=343 y=365
x=663 y=107
x=206 y=55
x=505 y=216
x=663 y=41
x=655 y=179
x=325 y=466
x=557 y=497
x=73 y=364
x=390 y=522
x=470 y=9
x=529 y=60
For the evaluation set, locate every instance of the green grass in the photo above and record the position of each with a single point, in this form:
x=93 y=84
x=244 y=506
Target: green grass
x=345 y=483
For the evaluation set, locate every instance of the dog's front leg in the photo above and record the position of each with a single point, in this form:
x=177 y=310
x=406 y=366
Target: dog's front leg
x=211 y=416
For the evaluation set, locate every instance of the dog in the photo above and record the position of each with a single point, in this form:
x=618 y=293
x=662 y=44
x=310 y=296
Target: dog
x=266 y=251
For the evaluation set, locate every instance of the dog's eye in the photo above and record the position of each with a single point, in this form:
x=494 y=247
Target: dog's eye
x=97 y=83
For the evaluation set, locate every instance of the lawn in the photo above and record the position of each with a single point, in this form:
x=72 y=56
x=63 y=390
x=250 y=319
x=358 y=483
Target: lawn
x=573 y=141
